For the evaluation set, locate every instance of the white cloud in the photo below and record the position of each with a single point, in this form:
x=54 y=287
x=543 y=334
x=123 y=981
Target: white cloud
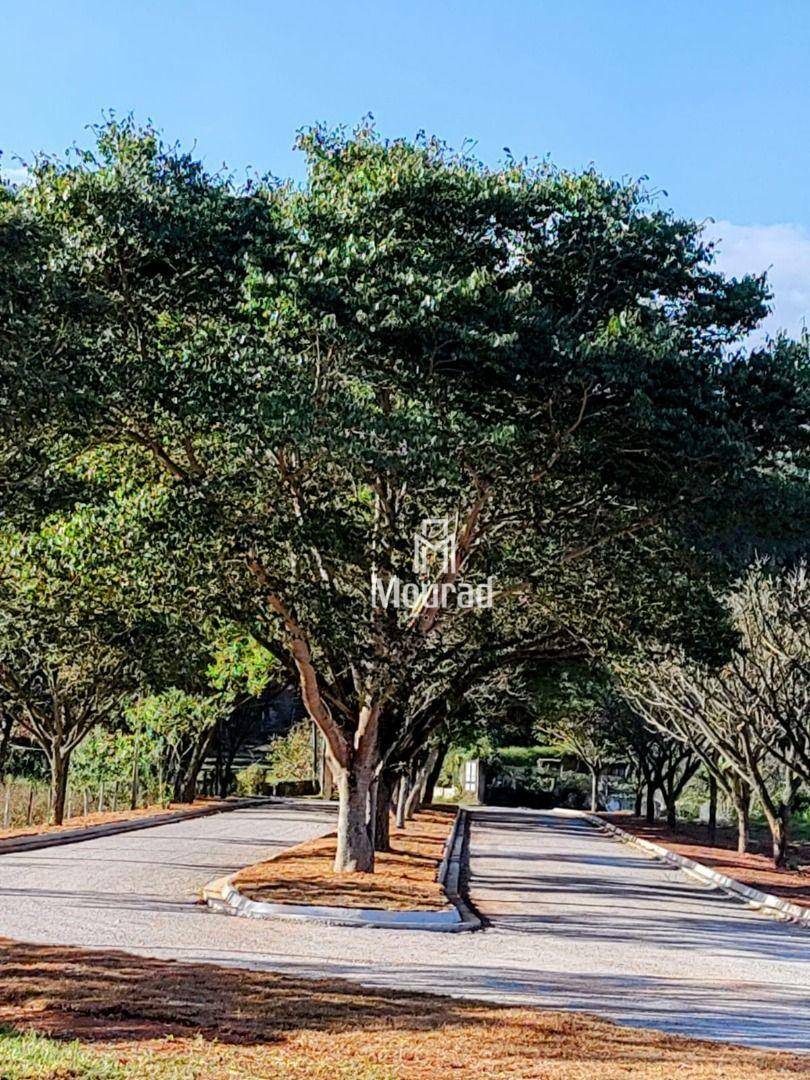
x=15 y=175
x=782 y=250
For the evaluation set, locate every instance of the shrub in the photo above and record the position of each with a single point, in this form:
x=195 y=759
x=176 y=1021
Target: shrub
x=574 y=791
x=290 y=755
x=523 y=757
x=252 y=780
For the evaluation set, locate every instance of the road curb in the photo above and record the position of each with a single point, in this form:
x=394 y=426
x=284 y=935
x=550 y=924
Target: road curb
x=754 y=898
x=75 y=836
x=222 y=896
x=451 y=867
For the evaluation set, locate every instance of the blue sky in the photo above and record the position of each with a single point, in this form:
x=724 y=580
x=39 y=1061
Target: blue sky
x=709 y=99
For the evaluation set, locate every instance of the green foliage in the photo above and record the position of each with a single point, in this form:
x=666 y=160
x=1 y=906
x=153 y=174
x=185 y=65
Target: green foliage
x=173 y=714
x=580 y=714
x=241 y=665
x=252 y=781
x=290 y=756
x=108 y=756
x=453 y=763
x=524 y=757
x=228 y=408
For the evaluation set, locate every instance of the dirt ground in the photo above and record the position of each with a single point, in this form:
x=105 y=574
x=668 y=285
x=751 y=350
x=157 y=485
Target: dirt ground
x=86 y=821
x=142 y=1018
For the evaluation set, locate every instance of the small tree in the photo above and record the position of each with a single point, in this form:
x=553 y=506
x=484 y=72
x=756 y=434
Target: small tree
x=663 y=763
x=181 y=726
x=579 y=716
x=290 y=756
x=63 y=667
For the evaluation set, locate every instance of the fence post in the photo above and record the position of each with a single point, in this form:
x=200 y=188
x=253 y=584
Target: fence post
x=7 y=804
x=29 y=813
x=101 y=797
x=85 y=802
x=133 y=793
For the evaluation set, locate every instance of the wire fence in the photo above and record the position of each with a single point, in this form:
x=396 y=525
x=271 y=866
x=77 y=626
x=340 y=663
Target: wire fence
x=26 y=802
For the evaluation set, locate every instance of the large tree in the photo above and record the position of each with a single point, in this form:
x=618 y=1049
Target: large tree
x=287 y=382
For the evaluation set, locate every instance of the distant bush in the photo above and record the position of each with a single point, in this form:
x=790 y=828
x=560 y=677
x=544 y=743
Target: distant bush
x=574 y=791
x=252 y=780
x=290 y=755
x=524 y=757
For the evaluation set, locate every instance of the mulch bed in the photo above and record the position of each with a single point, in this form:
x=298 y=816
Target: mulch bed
x=208 y=1022
x=752 y=869
x=404 y=878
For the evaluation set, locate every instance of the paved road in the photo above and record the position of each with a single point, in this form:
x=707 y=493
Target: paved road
x=578 y=921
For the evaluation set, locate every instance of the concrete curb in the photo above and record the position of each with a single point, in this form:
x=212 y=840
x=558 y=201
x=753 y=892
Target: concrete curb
x=754 y=898
x=451 y=867
x=224 y=897
x=75 y=836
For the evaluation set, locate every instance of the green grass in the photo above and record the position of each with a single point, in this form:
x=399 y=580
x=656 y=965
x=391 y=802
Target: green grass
x=30 y=1055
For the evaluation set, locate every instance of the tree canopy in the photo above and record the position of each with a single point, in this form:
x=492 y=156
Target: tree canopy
x=246 y=401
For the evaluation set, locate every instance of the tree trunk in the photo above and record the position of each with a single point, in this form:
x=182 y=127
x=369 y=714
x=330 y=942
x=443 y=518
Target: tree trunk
x=382 y=812
x=402 y=798
x=327 y=782
x=434 y=774
x=134 y=779
x=779 y=836
x=415 y=795
x=355 y=847
x=225 y=766
x=741 y=799
x=649 y=813
x=412 y=801
x=6 y=724
x=672 y=810
x=594 y=790
x=188 y=784
x=639 y=801
x=712 y=823
x=60 y=765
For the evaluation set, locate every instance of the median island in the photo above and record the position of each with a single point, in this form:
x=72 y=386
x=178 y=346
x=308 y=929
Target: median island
x=404 y=878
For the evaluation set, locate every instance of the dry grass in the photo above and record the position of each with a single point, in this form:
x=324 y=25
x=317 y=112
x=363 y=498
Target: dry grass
x=86 y=821
x=154 y=1019
x=404 y=878
x=752 y=869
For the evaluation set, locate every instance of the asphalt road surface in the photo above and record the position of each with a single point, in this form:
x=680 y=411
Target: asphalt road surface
x=577 y=920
